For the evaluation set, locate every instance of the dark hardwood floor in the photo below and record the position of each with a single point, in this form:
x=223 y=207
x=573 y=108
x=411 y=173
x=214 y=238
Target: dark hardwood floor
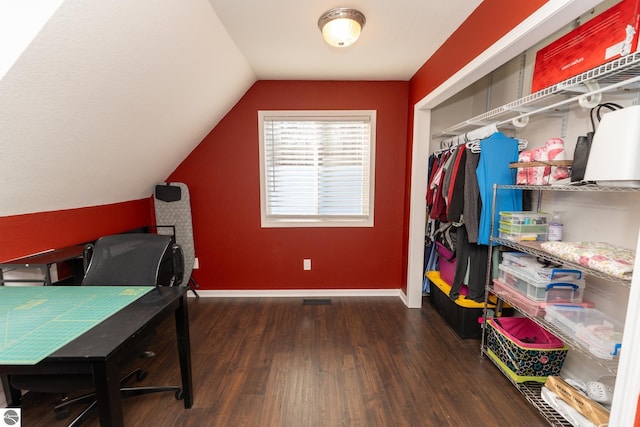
x=357 y=362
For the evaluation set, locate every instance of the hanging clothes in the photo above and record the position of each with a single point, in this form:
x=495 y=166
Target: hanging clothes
x=460 y=195
x=472 y=257
x=434 y=166
x=438 y=209
x=496 y=152
x=449 y=168
x=472 y=204
x=455 y=195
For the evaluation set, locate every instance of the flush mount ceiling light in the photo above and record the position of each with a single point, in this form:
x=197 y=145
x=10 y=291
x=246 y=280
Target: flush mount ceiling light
x=341 y=26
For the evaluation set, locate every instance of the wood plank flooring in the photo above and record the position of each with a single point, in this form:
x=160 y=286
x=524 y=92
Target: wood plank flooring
x=357 y=362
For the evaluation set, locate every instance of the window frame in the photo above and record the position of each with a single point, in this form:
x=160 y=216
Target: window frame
x=317 y=221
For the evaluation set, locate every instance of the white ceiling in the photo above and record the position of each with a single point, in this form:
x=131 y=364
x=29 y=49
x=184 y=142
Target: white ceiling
x=280 y=39
x=108 y=97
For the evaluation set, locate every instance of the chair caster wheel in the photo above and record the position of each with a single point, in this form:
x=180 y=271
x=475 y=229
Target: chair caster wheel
x=141 y=375
x=179 y=395
x=61 y=414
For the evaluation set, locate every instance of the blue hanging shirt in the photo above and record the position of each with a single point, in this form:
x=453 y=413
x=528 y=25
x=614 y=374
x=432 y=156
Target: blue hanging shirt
x=496 y=152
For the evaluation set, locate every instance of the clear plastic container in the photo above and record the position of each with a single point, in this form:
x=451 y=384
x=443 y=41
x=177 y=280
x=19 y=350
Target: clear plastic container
x=524 y=226
x=600 y=333
x=524 y=304
x=524 y=218
x=531 y=265
x=524 y=233
x=562 y=285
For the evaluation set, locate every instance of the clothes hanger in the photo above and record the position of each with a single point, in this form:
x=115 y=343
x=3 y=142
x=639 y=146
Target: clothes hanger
x=474 y=146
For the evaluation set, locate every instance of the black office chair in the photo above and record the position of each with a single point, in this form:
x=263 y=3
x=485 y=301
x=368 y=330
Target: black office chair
x=132 y=259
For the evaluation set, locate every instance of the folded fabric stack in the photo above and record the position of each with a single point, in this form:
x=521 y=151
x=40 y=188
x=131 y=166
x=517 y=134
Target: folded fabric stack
x=600 y=256
x=543 y=175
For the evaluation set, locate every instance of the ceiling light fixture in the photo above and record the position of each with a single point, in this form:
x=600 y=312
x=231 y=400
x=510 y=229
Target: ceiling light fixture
x=341 y=26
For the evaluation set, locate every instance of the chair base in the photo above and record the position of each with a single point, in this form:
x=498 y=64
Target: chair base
x=193 y=285
x=62 y=409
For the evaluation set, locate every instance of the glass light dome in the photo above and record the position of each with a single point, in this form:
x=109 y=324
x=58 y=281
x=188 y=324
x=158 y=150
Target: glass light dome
x=341 y=27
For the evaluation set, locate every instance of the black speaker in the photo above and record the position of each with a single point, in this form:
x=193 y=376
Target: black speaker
x=168 y=193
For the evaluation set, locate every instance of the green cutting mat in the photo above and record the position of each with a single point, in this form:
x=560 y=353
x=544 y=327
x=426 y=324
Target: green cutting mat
x=35 y=321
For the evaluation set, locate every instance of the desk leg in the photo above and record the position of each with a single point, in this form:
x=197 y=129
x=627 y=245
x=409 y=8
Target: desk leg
x=184 y=351
x=47 y=275
x=12 y=396
x=107 y=385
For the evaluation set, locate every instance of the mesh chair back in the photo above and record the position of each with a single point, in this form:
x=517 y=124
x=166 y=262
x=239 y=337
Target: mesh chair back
x=133 y=259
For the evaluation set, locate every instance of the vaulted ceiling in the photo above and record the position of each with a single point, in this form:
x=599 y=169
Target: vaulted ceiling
x=109 y=97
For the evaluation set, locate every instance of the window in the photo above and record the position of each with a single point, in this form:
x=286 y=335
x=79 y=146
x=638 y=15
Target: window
x=317 y=168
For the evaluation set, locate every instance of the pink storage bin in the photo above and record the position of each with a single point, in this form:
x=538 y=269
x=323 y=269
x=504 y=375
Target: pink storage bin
x=447 y=267
x=446 y=263
x=526 y=333
x=524 y=349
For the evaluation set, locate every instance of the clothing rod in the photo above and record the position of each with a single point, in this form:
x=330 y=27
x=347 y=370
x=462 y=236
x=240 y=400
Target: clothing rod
x=472 y=135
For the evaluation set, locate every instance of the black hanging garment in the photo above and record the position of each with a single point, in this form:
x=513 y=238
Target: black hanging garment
x=474 y=257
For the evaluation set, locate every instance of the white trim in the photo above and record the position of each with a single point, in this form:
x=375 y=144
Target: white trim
x=318 y=221
x=405 y=300
x=417 y=208
x=627 y=388
x=300 y=293
x=549 y=18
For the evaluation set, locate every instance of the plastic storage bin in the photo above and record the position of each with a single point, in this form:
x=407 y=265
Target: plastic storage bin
x=446 y=263
x=523 y=349
x=524 y=226
x=462 y=314
x=600 y=333
x=524 y=304
x=530 y=265
x=562 y=286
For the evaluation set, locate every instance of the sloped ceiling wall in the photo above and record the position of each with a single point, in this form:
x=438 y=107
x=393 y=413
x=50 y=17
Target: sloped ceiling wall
x=109 y=98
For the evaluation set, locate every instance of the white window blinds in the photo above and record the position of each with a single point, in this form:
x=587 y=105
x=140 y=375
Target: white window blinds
x=317 y=166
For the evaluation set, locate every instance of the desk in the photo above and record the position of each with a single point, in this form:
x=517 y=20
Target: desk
x=100 y=350
x=42 y=262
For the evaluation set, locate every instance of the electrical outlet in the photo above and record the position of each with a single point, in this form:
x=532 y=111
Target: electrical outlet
x=196 y=264
x=306 y=264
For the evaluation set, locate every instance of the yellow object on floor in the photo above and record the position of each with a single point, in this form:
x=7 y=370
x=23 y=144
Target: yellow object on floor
x=434 y=276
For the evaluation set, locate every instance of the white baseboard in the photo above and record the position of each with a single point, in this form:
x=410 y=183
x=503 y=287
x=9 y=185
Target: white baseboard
x=298 y=293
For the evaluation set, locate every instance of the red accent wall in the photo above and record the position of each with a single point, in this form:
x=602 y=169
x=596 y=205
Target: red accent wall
x=31 y=233
x=222 y=174
x=489 y=22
